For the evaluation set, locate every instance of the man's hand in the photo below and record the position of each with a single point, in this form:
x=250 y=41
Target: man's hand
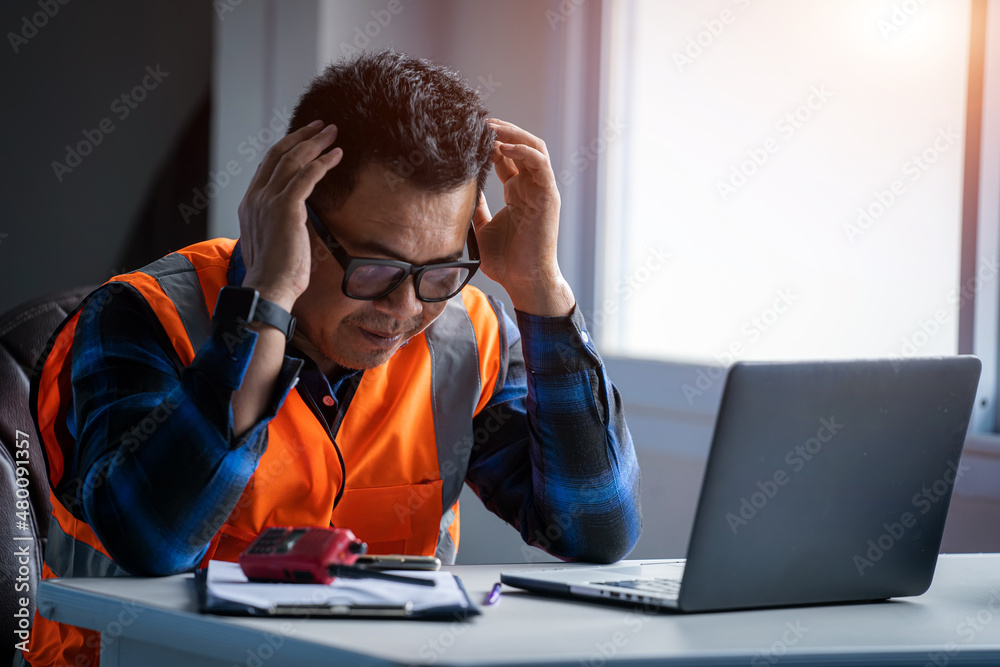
x=273 y=230
x=518 y=244
x=275 y=244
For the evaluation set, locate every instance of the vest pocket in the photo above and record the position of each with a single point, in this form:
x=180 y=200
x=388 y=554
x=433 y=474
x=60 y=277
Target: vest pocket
x=393 y=519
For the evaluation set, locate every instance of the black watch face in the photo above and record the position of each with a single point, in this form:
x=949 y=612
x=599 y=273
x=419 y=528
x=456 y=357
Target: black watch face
x=235 y=303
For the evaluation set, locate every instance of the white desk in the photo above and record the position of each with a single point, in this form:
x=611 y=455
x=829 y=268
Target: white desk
x=155 y=622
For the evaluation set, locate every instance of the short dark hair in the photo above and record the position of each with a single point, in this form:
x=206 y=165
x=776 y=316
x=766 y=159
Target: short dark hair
x=420 y=120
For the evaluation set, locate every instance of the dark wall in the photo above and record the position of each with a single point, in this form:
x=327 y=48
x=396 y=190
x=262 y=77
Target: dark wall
x=64 y=73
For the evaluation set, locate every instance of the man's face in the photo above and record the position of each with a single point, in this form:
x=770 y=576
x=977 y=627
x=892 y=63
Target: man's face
x=383 y=218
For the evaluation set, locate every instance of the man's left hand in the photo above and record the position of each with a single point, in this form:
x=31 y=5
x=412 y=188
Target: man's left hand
x=518 y=244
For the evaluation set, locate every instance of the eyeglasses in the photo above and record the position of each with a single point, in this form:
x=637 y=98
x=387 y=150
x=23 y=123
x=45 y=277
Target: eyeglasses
x=370 y=279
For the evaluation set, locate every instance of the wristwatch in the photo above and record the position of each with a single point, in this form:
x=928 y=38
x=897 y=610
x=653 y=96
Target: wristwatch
x=237 y=306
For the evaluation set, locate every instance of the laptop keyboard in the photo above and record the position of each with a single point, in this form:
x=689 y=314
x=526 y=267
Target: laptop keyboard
x=660 y=585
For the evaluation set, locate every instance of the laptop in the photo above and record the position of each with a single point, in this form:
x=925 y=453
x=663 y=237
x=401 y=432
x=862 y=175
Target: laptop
x=826 y=482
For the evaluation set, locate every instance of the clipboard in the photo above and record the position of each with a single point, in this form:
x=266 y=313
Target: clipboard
x=223 y=589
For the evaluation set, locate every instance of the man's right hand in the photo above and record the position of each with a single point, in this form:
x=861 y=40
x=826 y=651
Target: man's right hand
x=275 y=244
x=273 y=226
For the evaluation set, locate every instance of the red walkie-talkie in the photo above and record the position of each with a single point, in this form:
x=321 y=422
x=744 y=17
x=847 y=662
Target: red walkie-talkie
x=310 y=555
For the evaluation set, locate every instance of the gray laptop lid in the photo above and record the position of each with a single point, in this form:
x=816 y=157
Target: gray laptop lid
x=828 y=481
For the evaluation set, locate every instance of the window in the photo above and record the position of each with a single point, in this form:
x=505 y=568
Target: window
x=784 y=179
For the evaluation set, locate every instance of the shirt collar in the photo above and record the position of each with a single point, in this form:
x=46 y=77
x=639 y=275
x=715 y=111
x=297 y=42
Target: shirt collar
x=314 y=372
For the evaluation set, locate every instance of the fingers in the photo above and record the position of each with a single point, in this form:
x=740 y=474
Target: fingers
x=290 y=153
x=529 y=159
x=517 y=150
x=266 y=166
x=301 y=184
x=504 y=167
x=509 y=133
x=298 y=157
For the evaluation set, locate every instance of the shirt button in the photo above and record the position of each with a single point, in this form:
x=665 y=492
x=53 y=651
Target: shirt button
x=584 y=337
x=328 y=400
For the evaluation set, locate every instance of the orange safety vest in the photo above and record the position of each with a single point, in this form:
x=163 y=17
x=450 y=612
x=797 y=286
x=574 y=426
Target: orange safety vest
x=406 y=439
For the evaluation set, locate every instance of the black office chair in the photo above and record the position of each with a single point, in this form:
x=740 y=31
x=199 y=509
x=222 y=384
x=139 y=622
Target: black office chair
x=24 y=332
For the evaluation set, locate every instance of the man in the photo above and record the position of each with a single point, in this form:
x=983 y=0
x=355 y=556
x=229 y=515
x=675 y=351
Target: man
x=174 y=437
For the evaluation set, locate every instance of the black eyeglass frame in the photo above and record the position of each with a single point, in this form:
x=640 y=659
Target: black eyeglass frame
x=350 y=263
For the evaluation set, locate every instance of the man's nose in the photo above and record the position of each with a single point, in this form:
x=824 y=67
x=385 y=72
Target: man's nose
x=402 y=303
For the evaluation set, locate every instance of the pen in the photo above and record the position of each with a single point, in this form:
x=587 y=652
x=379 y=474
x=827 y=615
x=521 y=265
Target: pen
x=352 y=572
x=494 y=595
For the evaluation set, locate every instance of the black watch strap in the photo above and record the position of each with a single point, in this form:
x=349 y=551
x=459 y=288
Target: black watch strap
x=274 y=315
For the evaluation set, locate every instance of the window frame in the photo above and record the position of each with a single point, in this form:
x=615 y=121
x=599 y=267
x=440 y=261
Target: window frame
x=641 y=380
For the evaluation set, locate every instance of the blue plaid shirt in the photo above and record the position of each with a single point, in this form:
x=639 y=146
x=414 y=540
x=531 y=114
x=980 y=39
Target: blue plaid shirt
x=159 y=459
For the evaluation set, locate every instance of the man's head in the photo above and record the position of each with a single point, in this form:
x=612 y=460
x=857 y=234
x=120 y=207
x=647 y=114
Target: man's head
x=421 y=121
x=417 y=151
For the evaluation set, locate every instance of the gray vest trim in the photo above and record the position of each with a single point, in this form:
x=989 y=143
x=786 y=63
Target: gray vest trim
x=69 y=557
x=446 y=550
x=455 y=390
x=504 y=343
x=179 y=280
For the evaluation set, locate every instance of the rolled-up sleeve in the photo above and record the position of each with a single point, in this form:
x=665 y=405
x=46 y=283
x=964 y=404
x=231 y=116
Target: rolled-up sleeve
x=556 y=459
x=157 y=465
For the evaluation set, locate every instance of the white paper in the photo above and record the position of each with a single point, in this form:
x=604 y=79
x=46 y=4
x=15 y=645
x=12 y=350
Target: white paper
x=226 y=581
